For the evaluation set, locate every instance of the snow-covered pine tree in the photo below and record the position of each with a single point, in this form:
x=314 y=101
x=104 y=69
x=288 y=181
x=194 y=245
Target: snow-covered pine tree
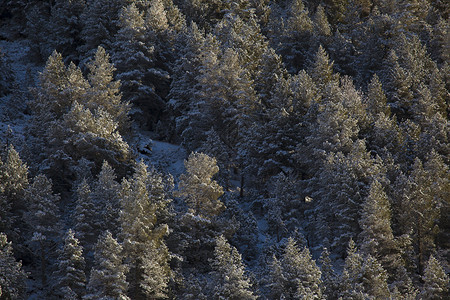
x=100 y=24
x=321 y=70
x=203 y=221
x=12 y=277
x=363 y=276
x=295 y=37
x=242 y=34
x=226 y=97
x=70 y=275
x=377 y=238
x=105 y=91
x=420 y=197
x=376 y=98
x=197 y=187
x=435 y=280
x=107 y=279
x=43 y=218
x=341 y=187
x=295 y=275
x=85 y=216
x=329 y=278
x=106 y=197
x=196 y=121
x=66 y=26
x=144 y=204
x=230 y=280
x=13 y=183
x=156 y=271
x=320 y=23
x=135 y=58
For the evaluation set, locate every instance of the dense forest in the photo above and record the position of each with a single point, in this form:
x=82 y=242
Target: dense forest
x=314 y=137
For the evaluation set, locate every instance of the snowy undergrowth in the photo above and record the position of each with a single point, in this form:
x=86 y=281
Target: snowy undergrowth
x=13 y=105
x=165 y=157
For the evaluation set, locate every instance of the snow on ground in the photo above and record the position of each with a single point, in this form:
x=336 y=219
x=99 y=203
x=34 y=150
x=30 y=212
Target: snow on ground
x=25 y=72
x=164 y=156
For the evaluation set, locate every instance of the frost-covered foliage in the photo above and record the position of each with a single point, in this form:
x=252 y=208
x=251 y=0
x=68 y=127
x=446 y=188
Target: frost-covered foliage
x=295 y=274
x=197 y=187
x=12 y=277
x=108 y=278
x=323 y=121
x=229 y=278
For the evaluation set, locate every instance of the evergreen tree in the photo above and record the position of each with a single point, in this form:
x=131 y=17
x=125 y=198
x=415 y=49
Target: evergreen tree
x=363 y=276
x=229 y=278
x=329 y=277
x=320 y=23
x=377 y=238
x=144 y=201
x=345 y=182
x=197 y=187
x=295 y=36
x=43 y=218
x=435 y=280
x=78 y=120
x=13 y=183
x=105 y=92
x=321 y=70
x=71 y=274
x=86 y=216
x=377 y=101
x=242 y=34
x=137 y=59
x=156 y=272
x=420 y=196
x=106 y=197
x=12 y=277
x=100 y=24
x=66 y=26
x=107 y=280
x=295 y=275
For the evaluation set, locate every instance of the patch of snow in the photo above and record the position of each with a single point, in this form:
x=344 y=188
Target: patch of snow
x=164 y=156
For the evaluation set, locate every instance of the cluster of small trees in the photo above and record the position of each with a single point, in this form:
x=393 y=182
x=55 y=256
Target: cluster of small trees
x=325 y=120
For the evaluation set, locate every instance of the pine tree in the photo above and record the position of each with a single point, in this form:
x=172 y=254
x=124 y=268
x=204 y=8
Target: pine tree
x=363 y=276
x=197 y=187
x=100 y=24
x=295 y=275
x=66 y=26
x=342 y=185
x=321 y=70
x=242 y=34
x=320 y=22
x=291 y=32
x=420 y=197
x=329 y=277
x=136 y=58
x=107 y=278
x=377 y=101
x=144 y=201
x=44 y=219
x=13 y=183
x=86 y=216
x=377 y=238
x=105 y=92
x=156 y=272
x=71 y=274
x=435 y=280
x=106 y=197
x=12 y=277
x=229 y=278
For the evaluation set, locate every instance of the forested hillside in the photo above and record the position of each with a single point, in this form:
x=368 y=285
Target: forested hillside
x=314 y=136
